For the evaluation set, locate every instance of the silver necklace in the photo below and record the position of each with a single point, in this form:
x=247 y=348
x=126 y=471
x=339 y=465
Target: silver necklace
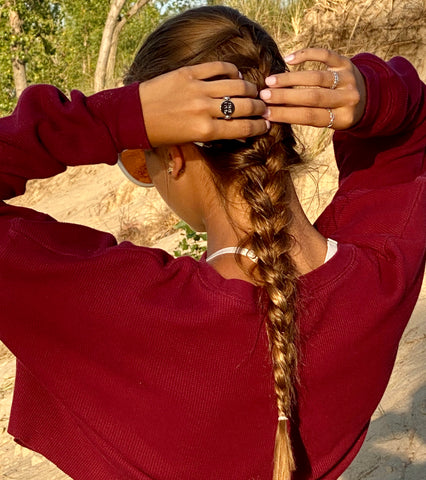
x=240 y=251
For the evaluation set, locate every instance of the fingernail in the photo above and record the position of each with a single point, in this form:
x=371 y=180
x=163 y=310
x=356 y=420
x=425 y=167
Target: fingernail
x=240 y=75
x=267 y=114
x=268 y=124
x=265 y=94
x=270 y=81
x=289 y=58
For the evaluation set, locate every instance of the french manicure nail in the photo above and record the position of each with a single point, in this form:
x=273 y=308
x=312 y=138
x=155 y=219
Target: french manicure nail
x=268 y=124
x=240 y=75
x=265 y=94
x=270 y=81
x=289 y=58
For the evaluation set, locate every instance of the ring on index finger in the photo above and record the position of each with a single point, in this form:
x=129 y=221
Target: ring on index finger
x=335 y=80
x=227 y=107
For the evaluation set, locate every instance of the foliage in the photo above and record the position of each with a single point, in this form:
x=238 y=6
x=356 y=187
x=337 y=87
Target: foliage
x=172 y=7
x=133 y=35
x=60 y=41
x=192 y=244
x=36 y=46
x=80 y=39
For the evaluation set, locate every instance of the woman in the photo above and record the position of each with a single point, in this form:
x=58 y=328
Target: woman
x=132 y=364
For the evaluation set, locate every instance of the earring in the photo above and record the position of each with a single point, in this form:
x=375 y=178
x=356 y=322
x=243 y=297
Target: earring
x=170 y=170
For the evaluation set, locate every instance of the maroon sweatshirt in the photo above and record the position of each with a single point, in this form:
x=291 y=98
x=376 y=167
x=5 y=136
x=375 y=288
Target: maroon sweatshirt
x=133 y=365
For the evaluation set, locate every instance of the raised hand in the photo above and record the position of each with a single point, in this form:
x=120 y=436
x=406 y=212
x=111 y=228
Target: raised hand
x=333 y=98
x=181 y=106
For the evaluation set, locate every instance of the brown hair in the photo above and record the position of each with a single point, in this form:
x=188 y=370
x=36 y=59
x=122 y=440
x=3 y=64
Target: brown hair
x=259 y=168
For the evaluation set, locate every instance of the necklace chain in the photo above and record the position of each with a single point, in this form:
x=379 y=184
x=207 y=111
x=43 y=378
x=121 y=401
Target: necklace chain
x=331 y=250
x=240 y=251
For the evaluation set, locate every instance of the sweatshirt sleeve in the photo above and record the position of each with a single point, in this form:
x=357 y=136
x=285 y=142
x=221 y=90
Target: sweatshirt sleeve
x=361 y=300
x=392 y=129
x=48 y=132
x=43 y=260
x=381 y=200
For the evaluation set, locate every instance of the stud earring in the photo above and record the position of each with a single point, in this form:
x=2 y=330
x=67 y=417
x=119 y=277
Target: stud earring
x=170 y=170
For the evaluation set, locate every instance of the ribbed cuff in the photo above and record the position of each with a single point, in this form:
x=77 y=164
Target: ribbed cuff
x=121 y=110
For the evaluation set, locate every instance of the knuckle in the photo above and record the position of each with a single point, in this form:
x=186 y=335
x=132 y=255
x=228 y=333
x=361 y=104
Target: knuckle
x=346 y=119
x=241 y=87
x=346 y=62
x=199 y=105
x=226 y=66
x=248 y=129
x=248 y=89
x=324 y=55
x=252 y=108
x=352 y=119
x=311 y=116
x=315 y=96
x=205 y=130
x=355 y=97
x=185 y=72
x=319 y=77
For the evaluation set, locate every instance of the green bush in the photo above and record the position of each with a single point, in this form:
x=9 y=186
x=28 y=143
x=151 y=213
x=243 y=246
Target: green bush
x=193 y=244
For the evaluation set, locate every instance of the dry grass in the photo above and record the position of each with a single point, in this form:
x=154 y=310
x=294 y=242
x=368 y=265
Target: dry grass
x=384 y=27
x=316 y=179
x=280 y=21
x=158 y=223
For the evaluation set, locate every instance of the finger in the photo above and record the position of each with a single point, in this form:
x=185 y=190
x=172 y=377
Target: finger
x=308 y=78
x=230 y=88
x=244 y=128
x=316 y=117
x=244 y=107
x=204 y=71
x=330 y=58
x=306 y=97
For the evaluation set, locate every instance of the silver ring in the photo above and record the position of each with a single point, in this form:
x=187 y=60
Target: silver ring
x=335 y=80
x=332 y=117
x=227 y=108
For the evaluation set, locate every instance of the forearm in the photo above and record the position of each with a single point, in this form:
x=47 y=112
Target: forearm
x=47 y=132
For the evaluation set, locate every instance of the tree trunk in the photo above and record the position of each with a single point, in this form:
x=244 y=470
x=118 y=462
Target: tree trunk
x=109 y=82
x=18 y=66
x=105 y=48
x=109 y=77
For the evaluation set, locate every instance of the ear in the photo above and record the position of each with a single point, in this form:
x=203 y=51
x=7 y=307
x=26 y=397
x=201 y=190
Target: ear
x=175 y=160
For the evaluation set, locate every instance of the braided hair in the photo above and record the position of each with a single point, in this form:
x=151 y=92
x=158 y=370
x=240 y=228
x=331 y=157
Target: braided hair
x=258 y=168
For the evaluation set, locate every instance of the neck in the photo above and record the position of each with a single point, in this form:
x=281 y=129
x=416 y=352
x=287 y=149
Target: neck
x=221 y=234
x=310 y=248
x=308 y=252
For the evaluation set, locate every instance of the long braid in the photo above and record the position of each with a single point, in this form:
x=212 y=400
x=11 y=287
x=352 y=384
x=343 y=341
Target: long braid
x=263 y=188
x=262 y=171
x=260 y=168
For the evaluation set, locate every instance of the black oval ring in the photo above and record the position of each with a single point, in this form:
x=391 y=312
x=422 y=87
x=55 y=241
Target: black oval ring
x=227 y=108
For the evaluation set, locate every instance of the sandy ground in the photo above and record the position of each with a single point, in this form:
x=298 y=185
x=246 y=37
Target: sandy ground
x=395 y=448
